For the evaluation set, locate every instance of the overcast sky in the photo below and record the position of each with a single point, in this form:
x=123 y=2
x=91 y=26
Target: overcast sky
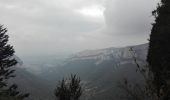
x=46 y=27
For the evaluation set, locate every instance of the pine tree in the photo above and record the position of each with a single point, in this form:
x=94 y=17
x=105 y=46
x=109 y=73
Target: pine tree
x=75 y=88
x=7 y=61
x=62 y=92
x=159 y=50
x=69 y=89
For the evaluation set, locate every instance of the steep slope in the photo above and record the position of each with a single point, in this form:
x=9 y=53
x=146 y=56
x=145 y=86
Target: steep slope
x=111 y=53
x=101 y=70
x=29 y=83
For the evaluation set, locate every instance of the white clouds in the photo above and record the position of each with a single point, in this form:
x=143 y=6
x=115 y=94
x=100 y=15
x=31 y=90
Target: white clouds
x=129 y=20
x=92 y=11
x=40 y=26
x=133 y=15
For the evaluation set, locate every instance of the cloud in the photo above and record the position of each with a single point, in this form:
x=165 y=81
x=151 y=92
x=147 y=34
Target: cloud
x=129 y=20
x=130 y=15
x=38 y=27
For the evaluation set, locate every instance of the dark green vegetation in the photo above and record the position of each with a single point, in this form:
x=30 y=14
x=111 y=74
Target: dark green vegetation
x=69 y=89
x=157 y=73
x=7 y=61
x=159 y=51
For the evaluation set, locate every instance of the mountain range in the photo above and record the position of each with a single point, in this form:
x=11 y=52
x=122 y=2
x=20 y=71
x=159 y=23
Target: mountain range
x=100 y=72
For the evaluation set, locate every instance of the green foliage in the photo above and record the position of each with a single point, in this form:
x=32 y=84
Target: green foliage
x=7 y=61
x=69 y=89
x=159 y=50
x=146 y=91
x=157 y=72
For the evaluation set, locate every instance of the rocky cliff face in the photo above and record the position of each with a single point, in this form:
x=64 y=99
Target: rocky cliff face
x=117 y=55
x=99 y=70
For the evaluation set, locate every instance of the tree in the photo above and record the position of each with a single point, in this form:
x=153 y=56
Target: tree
x=159 y=50
x=69 y=89
x=157 y=80
x=138 y=91
x=7 y=61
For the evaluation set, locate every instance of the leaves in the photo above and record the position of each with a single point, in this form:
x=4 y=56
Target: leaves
x=69 y=89
x=6 y=72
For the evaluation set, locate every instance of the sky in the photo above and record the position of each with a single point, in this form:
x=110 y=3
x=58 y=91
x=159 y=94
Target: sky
x=51 y=27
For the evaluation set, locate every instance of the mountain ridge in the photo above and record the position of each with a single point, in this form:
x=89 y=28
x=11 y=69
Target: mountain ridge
x=99 y=71
x=111 y=53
